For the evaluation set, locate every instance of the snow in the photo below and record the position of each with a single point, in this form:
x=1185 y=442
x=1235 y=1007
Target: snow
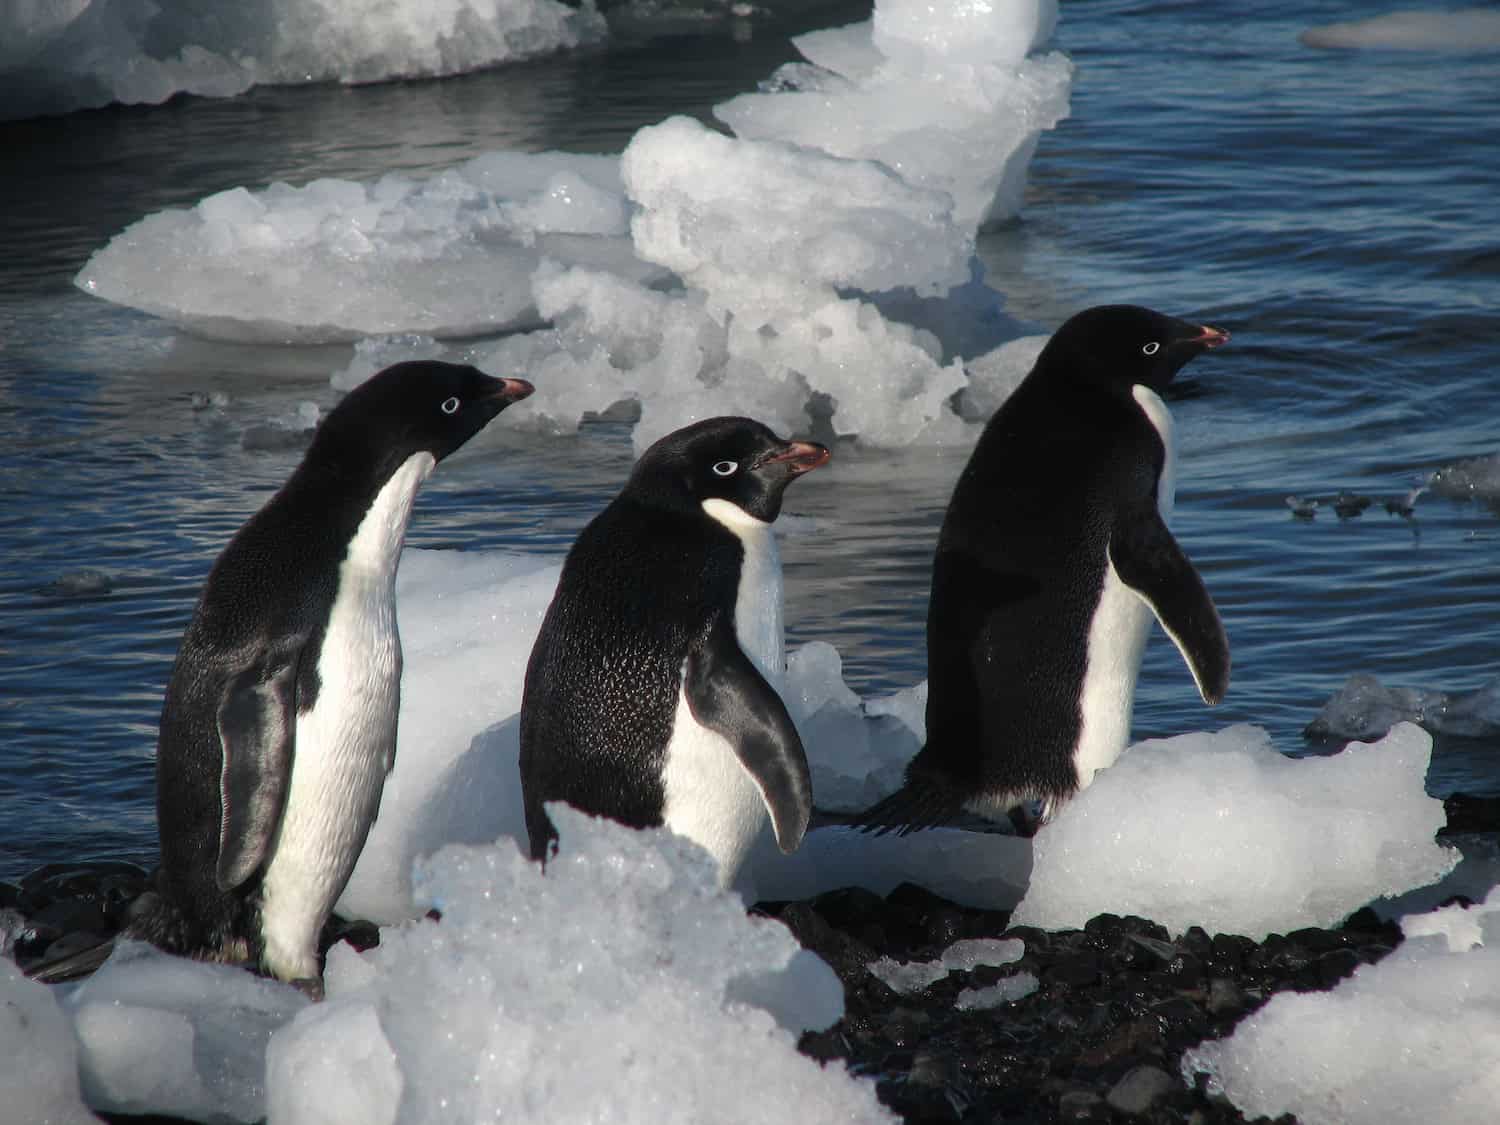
x=1458 y=29
x=62 y=55
x=1414 y=1037
x=821 y=260
x=1222 y=831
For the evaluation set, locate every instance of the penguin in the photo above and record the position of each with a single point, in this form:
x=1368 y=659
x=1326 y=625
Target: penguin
x=1053 y=557
x=278 y=725
x=649 y=694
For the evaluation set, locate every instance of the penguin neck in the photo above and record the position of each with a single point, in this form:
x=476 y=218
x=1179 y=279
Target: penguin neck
x=377 y=540
x=758 y=600
x=1160 y=417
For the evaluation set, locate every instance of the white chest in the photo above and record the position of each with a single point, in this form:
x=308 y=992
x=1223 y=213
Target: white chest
x=758 y=619
x=1117 y=635
x=345 y=743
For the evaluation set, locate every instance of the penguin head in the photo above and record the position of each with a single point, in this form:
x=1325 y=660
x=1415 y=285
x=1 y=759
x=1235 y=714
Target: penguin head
x=733 y=459
x=1123 y=346
x=423 y=406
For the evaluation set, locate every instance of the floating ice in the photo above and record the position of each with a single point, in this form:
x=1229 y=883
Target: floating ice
x=161 y=1034
x=961 y=956
x=1221 y=831
x=39 y=1059
x=334 y=260
x=947 y=101
x=1365 y=709
x=1414 y=1037
x=1477 y=478
x=61 y=55
x=582 y=993
x=1459 y=29
x=825 y=255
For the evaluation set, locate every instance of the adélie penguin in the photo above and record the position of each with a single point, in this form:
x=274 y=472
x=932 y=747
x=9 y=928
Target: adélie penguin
x=279 y=721
x=648 y=695
x=1054 y=555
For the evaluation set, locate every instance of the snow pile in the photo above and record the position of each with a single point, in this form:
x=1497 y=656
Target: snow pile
x=961 y=956
x=337 y=259
x=1414 y=1037
x=1221 y=831
x=160 y=1034
x=39 y=1062
x=1459 y=29
x=1365 y=709
x=818 y=276
x=61 y=55
x=585 y=993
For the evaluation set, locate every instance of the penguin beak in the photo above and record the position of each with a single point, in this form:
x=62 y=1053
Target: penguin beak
x=1210 y=338
x=798 y=456
x=511 y=391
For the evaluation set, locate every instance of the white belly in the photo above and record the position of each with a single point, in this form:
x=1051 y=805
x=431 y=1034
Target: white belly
x=1117 y=636
x=710 y=798
x=344 y=744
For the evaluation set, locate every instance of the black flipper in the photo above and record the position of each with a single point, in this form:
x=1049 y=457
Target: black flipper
x=1150 y=562
x=72 y=966
x=728 y=695
x=257 y=724
x=920 y=803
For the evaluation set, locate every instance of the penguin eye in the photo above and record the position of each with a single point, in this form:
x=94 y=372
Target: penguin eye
x=725 y=468
x=1152 y=348
x=450 y=405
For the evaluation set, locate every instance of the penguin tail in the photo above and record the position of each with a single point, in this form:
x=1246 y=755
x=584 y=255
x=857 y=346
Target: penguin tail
x=918 y=804
x=73 y=965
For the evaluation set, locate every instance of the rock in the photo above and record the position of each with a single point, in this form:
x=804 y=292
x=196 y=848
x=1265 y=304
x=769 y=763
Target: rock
x=1139 y=1090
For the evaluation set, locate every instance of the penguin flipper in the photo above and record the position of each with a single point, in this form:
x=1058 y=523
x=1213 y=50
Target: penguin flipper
x=1149 y=561
x=728 y=695
x=257 y=727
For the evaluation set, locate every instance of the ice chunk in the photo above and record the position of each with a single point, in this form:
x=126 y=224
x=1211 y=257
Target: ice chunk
x=39 y=1062
x=60 y=55
x=624 y=954
x=375 y=353
x=1006 y=991
x=714 y=208
x=468 y=620
x=449 y=255
x=1364 y=708
x=961 y=956
x=1477 y=478
x=1220 y=830
x=1414 y=1037
x=1459 y=29
x=334 y=1067
x=950 y=103
x=161 y=1034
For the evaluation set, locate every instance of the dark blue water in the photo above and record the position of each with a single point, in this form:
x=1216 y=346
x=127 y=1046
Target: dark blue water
x=1335 y=211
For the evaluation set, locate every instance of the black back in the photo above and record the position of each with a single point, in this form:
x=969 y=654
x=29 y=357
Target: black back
x=269 y=593
x=645 y=583
x=1020 y=562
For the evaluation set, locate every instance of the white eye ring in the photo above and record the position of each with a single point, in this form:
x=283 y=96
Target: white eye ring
x=450 y=405
x=725 y=468
x=1152 y=348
